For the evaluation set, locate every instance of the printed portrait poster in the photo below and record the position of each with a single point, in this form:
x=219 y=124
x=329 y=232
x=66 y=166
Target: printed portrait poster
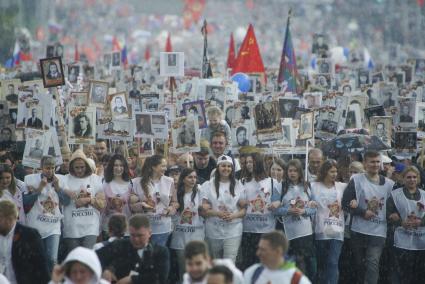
x=214 y=96
x=197 y=110
x=73 y=73
x=82 y=125
x=329 y=121
x=169 y=110
x=407 y=109
x=288 y=135
x=405 y=141
x=103 y=114
x=117 y=129
x=243 y=111
x=185 y=135
x=54 y=147
x=52 y=72
x=159 y=125
x=312 y=100
x=242 y=135
x=374 y=111
x=267 y=121
x=305 y=130
x=80 y=98
x=9 y=92
x=171 y=64
x=119 y=106
x=381 y=126
x=98 y=92
x=30 y=111
x=149 y=101
x=420 y=117
x=288 y=107
x=36 y=146
x=143 y=125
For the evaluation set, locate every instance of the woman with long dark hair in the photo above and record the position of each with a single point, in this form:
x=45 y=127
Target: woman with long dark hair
x=10 y=191
x=221 y=202
x=329 y=221
x=189 y=224
x=156 y=197
x=117 y=188
x=296 y=210
x=258 y=219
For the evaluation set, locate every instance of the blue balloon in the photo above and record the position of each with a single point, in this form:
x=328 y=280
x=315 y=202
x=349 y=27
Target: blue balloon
x=244 y=84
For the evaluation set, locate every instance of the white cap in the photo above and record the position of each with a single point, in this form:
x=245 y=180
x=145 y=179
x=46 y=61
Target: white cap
x=224 y=159
x=386 y=159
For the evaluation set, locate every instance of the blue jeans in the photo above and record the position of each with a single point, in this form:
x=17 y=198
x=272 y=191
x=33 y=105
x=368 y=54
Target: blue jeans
x=328 y=252
x=51 y=245
x=160 y=239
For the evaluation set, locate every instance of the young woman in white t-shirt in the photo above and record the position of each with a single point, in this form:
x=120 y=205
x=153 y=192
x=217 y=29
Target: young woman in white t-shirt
x=155 y=195
x=10 y=191
x=189 y=224
x=329 y=221
x=221 y=200
x=81 y=223
x=295 y=210
x=117 y=189
x=258 y=219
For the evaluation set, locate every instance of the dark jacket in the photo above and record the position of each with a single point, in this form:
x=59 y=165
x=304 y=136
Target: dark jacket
x=28 y=256
x=121 y=257
x=34 y=123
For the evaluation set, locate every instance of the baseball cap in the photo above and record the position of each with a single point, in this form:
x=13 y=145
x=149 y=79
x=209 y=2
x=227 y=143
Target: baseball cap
x=224 y=159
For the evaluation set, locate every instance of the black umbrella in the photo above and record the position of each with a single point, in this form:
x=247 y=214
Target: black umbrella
x=352 y=143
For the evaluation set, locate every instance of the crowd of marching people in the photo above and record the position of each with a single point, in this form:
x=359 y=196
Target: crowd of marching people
x=114 y=173
x=153 y=223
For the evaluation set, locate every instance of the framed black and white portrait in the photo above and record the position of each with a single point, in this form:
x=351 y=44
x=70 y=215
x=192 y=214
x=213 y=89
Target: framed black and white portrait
x=73 y=73
x=52 y=72
x=82 y=125
x=288 y=107
x=119 y=106
x=98 y=92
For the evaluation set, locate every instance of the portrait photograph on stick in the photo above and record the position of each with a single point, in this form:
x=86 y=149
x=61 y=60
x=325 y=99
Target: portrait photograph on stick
x=52 y=72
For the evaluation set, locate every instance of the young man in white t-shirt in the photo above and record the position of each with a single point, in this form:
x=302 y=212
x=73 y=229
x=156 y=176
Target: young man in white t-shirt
x=198 y=264
x=272 y=267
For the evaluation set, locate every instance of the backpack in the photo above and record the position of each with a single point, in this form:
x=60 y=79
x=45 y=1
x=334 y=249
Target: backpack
x=296 y=277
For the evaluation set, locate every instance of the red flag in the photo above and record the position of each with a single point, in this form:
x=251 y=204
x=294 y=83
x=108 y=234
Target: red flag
x=249 y=57
x=168 y=47
x=147 y=53
x=192 y=11
x=25 y=56
x=76 y=54
x=115 y=44
x=421 y=3
x=231 y=54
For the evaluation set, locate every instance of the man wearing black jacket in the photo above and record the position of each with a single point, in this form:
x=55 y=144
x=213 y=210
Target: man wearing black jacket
x=135 y=260
x=22 y=255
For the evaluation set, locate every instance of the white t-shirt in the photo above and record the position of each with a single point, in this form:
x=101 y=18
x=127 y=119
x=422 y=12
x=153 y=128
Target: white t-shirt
x=45 y=215
x=216 y=228
x=278 y=276
x=83 y=221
